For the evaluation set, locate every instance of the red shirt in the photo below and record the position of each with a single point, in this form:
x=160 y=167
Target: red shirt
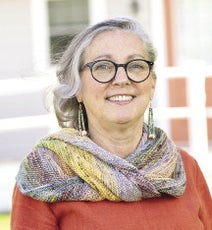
x=193 y=210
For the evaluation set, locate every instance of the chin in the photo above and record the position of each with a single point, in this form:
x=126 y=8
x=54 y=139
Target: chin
x=123 y=120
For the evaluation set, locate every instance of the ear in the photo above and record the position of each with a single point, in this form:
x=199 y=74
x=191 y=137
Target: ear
x=153 y=83
x=79 y=96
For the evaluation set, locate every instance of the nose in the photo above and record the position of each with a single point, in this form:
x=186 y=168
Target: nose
x=121 y=76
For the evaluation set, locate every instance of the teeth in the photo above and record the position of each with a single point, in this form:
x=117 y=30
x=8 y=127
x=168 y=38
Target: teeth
x=120 y=98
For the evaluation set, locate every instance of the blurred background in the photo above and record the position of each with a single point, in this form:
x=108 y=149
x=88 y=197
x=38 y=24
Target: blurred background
x=33 y=35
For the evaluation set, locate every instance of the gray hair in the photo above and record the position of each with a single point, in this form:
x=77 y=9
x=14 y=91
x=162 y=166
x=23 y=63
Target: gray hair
x=68 y=74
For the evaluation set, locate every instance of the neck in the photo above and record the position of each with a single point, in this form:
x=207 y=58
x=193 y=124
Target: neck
x=121 y=140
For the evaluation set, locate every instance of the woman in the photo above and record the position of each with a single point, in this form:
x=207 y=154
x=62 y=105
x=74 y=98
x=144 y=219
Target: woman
x=106 y=168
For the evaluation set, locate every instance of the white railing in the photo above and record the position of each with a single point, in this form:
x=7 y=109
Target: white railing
x=195 y=73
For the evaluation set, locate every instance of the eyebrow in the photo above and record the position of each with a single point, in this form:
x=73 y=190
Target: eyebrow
x=136 y=56
x=104 y=56
x=108 y=56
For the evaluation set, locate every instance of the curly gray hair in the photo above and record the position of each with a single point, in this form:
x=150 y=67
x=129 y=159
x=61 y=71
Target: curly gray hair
x=68 y=74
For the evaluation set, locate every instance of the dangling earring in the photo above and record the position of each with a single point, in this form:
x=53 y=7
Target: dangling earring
x=81 y=121
x=151 y=128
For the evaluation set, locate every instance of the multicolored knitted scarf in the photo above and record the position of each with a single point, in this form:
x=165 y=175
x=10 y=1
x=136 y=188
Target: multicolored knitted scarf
x=66 y=166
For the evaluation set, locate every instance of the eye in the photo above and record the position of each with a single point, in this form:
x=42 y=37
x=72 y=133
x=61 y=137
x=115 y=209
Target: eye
x=103 y=66
x=137 y=66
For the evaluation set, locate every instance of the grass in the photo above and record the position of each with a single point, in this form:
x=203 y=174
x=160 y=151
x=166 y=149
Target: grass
x=4 y=221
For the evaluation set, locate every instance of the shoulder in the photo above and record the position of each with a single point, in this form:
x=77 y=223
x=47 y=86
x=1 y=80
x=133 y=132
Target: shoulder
x=193 y=171
x=63 y=135
x=191 y=166
x=187 y=158
x=29 y=213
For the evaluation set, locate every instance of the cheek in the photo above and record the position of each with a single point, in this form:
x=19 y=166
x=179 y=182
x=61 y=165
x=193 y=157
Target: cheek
x=89 y=88
x=147 y=89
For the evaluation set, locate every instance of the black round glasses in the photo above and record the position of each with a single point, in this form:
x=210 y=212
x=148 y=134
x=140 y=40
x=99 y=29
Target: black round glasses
x=104 y=71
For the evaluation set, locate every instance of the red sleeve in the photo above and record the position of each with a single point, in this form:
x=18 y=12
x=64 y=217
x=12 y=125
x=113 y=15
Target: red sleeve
x=201 y=188
x=205 y=213
x=30 y=214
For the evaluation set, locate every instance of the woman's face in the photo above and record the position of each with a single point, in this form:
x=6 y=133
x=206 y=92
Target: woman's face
x=120 y=101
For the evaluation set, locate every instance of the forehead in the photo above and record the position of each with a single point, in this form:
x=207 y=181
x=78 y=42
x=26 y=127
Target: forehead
x=116 y=41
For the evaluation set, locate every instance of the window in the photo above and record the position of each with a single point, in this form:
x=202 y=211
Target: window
x=66 y=19
x=193 y=30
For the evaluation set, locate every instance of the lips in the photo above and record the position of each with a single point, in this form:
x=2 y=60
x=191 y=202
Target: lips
x=120 y=98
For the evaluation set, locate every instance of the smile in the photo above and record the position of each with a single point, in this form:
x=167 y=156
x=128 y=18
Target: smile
x=120 y=98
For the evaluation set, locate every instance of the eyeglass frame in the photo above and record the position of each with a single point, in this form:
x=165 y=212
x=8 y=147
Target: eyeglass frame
x=91 y=64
